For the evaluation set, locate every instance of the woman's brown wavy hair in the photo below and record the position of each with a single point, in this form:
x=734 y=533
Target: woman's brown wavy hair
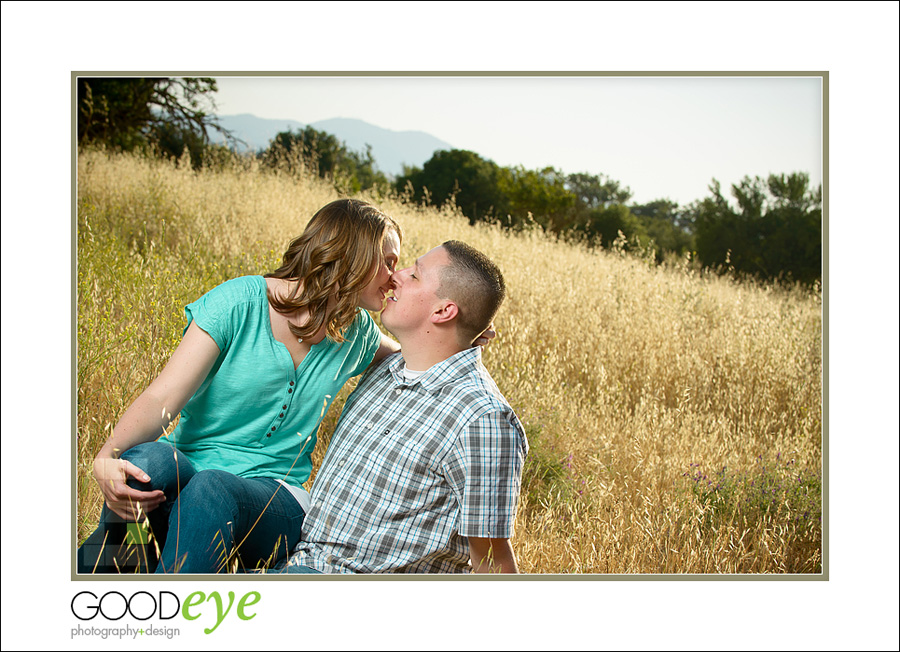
x=335 y=256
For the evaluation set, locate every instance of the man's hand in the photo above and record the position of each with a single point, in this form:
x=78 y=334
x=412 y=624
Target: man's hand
x=111 y=474
x=492 y=556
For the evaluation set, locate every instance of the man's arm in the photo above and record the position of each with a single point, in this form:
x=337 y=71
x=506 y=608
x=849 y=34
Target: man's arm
x=492 y=556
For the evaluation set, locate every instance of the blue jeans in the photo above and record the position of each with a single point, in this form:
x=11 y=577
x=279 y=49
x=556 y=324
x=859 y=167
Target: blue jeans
x=295 y=570
x=209 y=520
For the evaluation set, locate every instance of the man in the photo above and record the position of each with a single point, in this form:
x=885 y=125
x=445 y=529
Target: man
x=424 y=469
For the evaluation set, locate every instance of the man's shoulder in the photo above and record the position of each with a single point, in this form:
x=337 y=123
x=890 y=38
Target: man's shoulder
x=379 y=370
x=477 y=395
x=476 y=384
x=461 y=381
x=482 y=413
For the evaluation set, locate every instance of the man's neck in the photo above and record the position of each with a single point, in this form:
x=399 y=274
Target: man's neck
x=423 y=351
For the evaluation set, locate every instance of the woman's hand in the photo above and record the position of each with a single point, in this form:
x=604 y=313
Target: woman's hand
x=485 y=338
x=111 y=474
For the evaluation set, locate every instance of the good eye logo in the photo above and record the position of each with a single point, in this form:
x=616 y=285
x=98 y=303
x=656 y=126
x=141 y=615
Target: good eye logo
x=113 y=605
x=142 y=605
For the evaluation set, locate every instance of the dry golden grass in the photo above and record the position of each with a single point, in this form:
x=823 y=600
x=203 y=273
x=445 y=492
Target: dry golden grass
x=630 y=378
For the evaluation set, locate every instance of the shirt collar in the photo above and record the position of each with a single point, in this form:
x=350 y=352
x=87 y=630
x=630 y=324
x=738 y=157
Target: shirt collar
x=441 y=374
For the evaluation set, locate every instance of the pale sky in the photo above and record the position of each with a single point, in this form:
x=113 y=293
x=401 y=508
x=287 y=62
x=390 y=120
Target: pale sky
x=662 y=136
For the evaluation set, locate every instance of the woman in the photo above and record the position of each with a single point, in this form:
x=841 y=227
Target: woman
x=259 y=363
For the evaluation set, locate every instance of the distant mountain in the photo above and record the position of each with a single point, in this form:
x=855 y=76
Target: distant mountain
x=255 y=132
x=391 y=149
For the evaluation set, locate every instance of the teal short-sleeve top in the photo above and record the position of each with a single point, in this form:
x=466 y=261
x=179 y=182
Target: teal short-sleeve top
x=255 y=415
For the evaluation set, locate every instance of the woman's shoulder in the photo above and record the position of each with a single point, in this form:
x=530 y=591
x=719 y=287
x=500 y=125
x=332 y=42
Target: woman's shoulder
x=233 y=305
x=362 y=333
x=363 y=324
x=251 y=284
x=237 y=294
x=240 y=288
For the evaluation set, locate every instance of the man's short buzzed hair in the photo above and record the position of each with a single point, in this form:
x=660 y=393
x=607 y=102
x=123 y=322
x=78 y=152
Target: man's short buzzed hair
x=475 y=284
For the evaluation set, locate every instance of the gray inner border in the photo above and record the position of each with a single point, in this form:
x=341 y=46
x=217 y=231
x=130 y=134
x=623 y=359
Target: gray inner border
x=823 y=576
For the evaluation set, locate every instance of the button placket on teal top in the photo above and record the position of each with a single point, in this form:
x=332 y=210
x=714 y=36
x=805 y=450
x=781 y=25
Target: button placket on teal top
x=292 y=378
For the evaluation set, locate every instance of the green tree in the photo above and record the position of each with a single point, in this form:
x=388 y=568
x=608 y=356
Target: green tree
x=127 y=113
x=366 y=173
x=326 y=156
x=775 y=231
x=793 y=228
x=604 y=224
x=665 y=209
x=593 y=191
x=473 y=183
x=599 y=213
x=724 y=236
x=540 y=193
x=667 y=225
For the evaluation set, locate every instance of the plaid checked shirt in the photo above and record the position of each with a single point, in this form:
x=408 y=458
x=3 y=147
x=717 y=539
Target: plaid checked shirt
x=413 y=468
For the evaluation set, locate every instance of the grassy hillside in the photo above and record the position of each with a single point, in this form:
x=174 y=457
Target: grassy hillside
x=674 y=418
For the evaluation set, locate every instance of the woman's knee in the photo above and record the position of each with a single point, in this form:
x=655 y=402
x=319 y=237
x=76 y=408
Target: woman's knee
x=210 y=490
x=212 y=480
x=208 y=511
x=167 y=469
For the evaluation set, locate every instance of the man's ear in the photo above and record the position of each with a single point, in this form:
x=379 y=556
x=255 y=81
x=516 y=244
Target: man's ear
x=444 y=313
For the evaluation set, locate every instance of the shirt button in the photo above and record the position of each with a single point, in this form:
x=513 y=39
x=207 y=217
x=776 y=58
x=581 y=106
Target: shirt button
x=284 y=407
x=290 y=391
x=398 y=391
x=273 y=428
x=292 y=383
